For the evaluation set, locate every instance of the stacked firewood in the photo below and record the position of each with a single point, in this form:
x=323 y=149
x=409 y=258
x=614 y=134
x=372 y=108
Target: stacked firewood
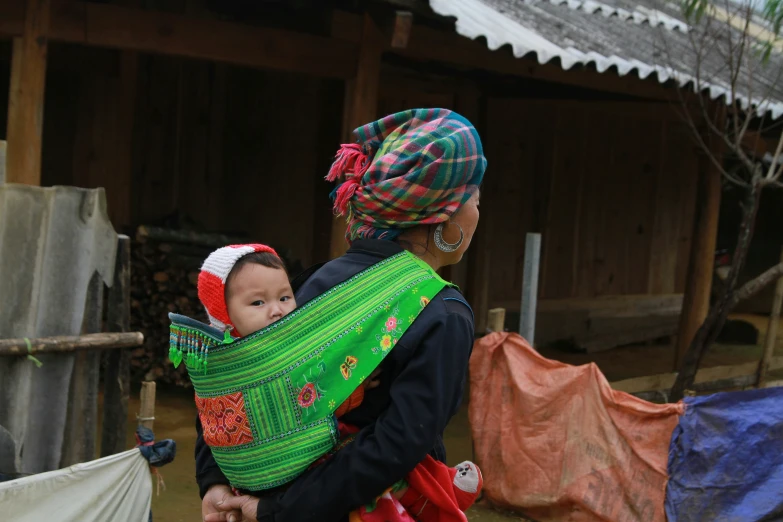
x=163 y=280
x=164 y=271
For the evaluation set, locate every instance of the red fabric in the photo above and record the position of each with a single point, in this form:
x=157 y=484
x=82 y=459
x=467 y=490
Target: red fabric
x=387 y=509
x=351 y=403
x=431 y=496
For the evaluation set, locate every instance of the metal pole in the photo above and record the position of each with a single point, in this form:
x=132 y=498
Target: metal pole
x=527 y=317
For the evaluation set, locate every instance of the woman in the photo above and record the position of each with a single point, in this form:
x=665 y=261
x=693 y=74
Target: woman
x=412 y=182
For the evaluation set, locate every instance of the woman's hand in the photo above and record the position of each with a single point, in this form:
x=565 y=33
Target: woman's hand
x=235 y=509
x=213 y=499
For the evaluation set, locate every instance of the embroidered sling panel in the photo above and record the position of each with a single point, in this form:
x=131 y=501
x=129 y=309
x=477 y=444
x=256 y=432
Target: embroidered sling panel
x=267 y=401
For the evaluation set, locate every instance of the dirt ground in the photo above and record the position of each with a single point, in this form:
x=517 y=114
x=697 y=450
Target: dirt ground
x=175 y=414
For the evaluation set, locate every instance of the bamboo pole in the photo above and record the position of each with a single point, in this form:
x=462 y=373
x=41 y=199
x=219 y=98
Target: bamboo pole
x=147 y=408
x=70 y=343
x=772 y=331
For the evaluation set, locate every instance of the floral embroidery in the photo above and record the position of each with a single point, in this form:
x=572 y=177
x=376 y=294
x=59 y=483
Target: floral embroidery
x=311 y=391
x=307 y=395
x=411 y=319
x=224 y=420
x=415 y=290
x=391 y=323
x=358 y=329
x=331 y=404
x=389 y=332
x=424 y=301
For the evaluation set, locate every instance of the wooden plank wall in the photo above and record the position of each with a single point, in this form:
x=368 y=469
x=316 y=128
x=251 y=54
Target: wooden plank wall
x=610 y=185
x=214 y=147
x=244 y=145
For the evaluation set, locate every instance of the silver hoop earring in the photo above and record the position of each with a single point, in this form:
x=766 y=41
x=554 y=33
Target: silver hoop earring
x=441 y=243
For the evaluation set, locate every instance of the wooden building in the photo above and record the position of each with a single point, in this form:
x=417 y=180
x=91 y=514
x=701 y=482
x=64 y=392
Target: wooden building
x=224 y=116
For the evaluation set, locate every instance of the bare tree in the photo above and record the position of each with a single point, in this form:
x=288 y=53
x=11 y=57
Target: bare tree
x=733 y=47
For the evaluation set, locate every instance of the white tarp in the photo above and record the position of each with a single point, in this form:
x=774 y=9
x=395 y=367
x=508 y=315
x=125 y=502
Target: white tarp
x=114 y=488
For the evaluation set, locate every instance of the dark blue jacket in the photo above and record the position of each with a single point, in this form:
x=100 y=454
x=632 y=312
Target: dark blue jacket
x=421 y=386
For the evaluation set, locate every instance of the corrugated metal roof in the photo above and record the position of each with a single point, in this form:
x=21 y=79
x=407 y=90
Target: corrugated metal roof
x=648 y=38
x=52 y=241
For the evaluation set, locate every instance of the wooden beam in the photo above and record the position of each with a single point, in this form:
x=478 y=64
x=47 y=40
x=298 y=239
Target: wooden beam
x=606 y=305
x=665 y=381
x=361 y=103
x=105 y=25
x=447 y=47
x=401 y=29
x=696 y=302
x=26 y=96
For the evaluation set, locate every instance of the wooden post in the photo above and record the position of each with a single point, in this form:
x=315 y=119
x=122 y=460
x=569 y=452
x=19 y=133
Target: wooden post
x=116 y=376
x=26 y=96
x=2 y=161
x=772 y=331
x=696 y=302
x=120 y=191
x=147 y=408
x=80 y=426
x=361 y=106
x=527 y=316
x=496 y=320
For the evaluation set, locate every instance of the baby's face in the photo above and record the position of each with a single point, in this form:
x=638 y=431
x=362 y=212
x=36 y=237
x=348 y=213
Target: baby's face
x=257 y=296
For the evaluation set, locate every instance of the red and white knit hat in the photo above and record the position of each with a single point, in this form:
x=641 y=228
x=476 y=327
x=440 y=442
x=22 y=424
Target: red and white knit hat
x=212 y=280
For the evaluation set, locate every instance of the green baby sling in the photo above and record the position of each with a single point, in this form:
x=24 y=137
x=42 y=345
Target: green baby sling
x=267 y=401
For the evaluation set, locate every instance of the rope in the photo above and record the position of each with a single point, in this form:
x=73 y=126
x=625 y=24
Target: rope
x=30 y=355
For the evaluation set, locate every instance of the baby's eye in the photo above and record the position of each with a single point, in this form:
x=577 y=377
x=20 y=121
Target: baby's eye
x=285 y=298
x=257 y=303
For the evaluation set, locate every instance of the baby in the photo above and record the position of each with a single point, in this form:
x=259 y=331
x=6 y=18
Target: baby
x=245 y=288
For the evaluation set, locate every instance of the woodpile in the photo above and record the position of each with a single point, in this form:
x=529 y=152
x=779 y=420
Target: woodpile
x=164 y=270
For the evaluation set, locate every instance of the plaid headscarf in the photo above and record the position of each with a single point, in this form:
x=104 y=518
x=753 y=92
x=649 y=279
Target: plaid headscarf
x=412 y=168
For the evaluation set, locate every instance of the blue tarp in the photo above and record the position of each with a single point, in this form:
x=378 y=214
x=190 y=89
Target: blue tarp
x=726 y=458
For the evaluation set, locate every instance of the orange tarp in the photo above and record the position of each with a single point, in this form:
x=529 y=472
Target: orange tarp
x=555 y=442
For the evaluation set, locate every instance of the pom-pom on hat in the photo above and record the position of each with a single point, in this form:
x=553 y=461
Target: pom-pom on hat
x=212 y=280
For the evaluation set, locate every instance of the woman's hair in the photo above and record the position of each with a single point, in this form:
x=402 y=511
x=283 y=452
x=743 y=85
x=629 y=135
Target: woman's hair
x=256 y=258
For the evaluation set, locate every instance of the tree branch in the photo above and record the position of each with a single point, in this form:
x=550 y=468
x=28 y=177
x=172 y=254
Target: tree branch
x=774 y=171
x=756 y=285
